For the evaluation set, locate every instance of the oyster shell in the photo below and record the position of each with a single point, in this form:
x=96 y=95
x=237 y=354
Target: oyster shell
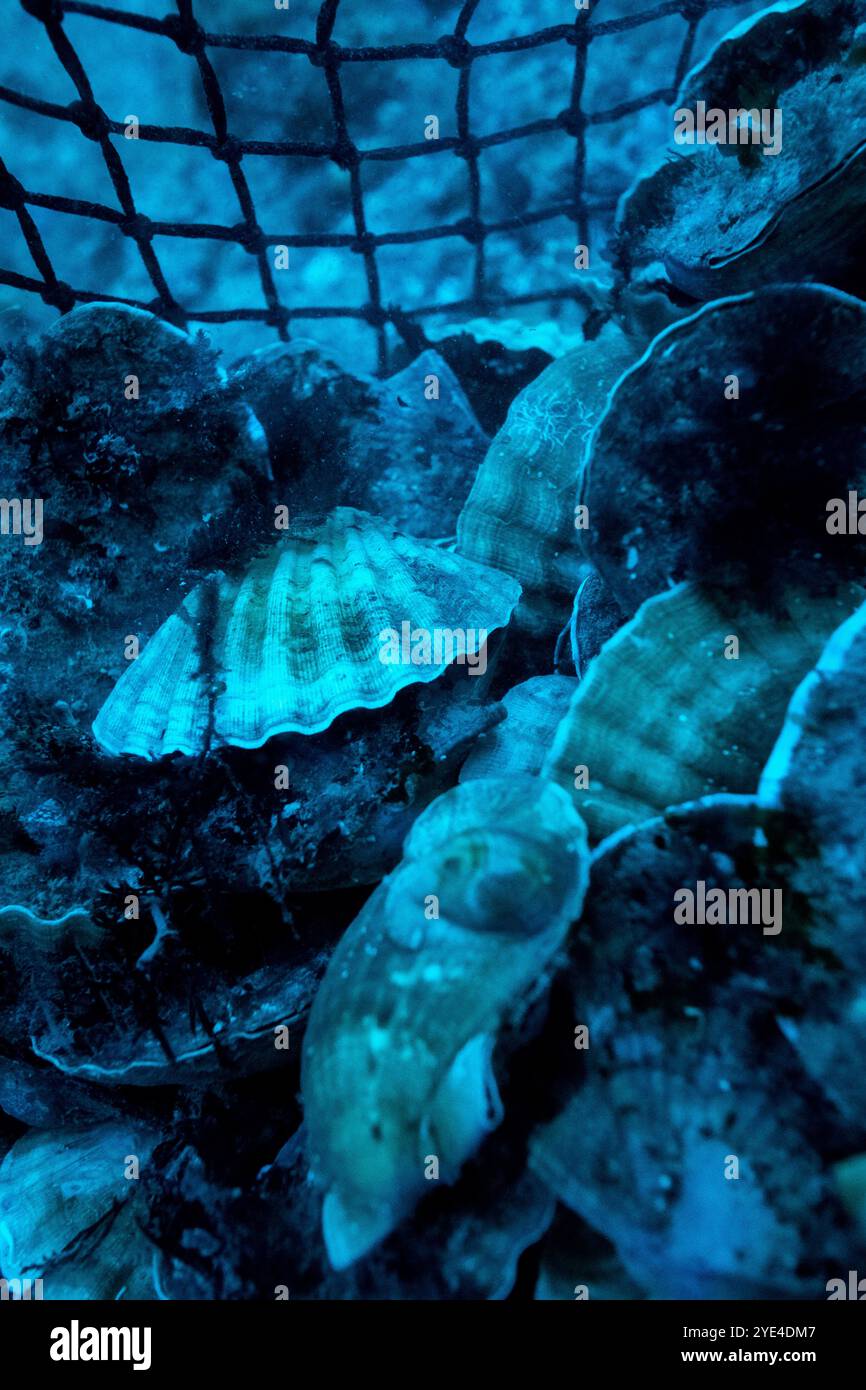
x=662 y=717
x=396 y=1067
x=520 y=514
x=733 y=491
x=298 y=640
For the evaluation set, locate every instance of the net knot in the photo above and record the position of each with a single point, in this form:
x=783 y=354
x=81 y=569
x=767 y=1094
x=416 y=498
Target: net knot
x=363 y=243
x=167 y=309
x=693 y=10
x=46 y=10
x=90 y=119
x=573 y=122
x=139 y=227
x=456 y=51
x=470 y=230
x=58 y=295
x=227 y=149
x=375 y=315
x=188 y=35
x=344 y=154
x=250 y=237
x=468 y=147
x=324 y=54
x=277 y=316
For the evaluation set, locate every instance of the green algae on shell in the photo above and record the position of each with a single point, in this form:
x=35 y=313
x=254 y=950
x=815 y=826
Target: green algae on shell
x=663 y=716
x=299 y=640
x=397 y=1054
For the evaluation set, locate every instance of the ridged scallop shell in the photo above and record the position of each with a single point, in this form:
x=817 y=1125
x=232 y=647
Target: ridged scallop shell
x=662 y=716
x=297 y=640
x=727 y=218
x=168 y=1019
x=520 y=513
x=397 y=1054
x=67 y=1212
x=733 y=491
x=521 y=741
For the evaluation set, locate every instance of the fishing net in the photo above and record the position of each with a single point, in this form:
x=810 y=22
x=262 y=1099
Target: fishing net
x=382 y=315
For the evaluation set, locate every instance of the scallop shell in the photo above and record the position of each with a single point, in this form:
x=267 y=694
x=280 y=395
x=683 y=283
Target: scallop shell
x=727 y=218
x=392 y=447
x=520 y=514
x=397 y=1055
x=520 y=742
x=733 y=491
x=685 y=1068
x=84 y=1004
x=814 y=775
x=813 y=780
x=662 y=716
x=67 y=1212
x=298 y=640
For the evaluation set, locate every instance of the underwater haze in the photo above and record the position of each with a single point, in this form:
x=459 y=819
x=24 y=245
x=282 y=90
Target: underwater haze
x=432 y=650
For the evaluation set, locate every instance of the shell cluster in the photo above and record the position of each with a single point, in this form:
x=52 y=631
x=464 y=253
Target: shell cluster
x=471 y=865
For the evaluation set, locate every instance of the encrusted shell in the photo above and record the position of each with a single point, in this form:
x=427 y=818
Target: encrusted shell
x=685 y=1070
x=663 y=716
x=750 y=420
x=729 y=217
x=406 y=448
x=300 y=639
x=813 y=781
x=814 y=775
x=520 y=515
x=397 y=1055
x=67 y=1212
x=168 y=1018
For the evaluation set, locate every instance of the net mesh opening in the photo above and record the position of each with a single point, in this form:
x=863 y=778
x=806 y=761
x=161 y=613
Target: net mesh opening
x=455 y=48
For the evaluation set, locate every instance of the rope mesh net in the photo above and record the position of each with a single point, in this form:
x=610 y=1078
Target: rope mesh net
x=455 y=49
